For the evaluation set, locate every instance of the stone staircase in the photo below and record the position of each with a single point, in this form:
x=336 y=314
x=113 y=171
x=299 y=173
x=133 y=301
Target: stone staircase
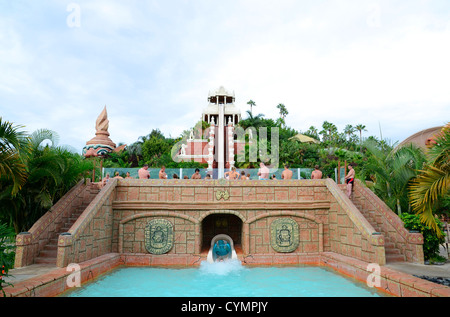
x=49 y=253
x=392 y=253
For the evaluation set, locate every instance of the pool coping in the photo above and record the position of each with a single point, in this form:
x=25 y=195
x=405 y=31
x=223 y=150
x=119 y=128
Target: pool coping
x=391 y=282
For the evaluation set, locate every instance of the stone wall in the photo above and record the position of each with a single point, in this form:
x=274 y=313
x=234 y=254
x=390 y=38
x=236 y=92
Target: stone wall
x=48 y=227
x=276 y=217
x=91 y=235
x=387 y=222
x=350 y=232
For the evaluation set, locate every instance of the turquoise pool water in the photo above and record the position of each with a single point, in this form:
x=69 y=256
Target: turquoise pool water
x=223 y=280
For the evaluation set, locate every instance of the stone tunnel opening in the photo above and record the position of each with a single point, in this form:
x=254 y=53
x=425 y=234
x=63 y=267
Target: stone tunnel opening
x=215 y=224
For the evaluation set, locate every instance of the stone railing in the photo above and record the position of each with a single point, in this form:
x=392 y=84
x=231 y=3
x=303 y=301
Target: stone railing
x=91 y=235
x=48 y=226
x=350 y=232
x=410 y=244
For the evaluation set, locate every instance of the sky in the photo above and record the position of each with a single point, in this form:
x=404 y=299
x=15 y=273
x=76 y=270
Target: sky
x=383 y=64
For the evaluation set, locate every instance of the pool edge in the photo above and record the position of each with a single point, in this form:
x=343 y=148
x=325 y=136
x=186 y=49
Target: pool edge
x=392 y=282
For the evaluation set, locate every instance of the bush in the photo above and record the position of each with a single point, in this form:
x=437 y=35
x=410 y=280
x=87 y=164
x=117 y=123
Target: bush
x=7 y=255
x=431 y=241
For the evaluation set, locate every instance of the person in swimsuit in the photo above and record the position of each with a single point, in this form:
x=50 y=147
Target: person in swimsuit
x=263 y=172
x=350 y=179
x=232 y=174
x=196 y=175
x=316 y=174
x=287 y=173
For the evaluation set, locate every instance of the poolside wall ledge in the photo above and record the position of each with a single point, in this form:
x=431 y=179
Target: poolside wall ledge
x=115 y=220
x=392 y=282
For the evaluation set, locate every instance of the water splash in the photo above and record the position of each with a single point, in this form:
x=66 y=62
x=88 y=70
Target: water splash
x=221 y=268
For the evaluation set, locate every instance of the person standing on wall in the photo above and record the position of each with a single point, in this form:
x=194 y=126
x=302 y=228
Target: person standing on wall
x=350 y=180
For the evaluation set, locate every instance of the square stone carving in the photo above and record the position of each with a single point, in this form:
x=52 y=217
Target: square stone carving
x=284 y=235
x=159 y=236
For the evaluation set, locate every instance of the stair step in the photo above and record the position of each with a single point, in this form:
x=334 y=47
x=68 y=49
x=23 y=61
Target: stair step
x=395 y=258
x=392 y=251
x=48 y=253
x=40 y=260
x=50 y=247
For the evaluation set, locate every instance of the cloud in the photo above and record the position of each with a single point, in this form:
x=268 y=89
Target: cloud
x=152 y=64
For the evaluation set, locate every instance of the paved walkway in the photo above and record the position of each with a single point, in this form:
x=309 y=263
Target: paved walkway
x=24 y=273
x=421 y=269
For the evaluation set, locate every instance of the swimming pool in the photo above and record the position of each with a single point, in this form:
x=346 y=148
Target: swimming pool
x=222 y=279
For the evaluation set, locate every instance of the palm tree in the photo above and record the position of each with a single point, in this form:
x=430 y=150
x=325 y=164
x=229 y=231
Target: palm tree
x=348 y=130
x=13 y=144
x=312 y=132
x=360 y=128
x=252 y=104
x=392 y=173
x=252 y=121
x=283 y=110
x=329 y=130
x=433 y=182
x=50 y=172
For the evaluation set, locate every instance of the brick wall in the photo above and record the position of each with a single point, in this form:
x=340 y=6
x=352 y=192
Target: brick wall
x=327 y=221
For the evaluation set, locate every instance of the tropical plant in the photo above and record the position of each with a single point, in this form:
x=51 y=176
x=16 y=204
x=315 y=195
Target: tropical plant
x=283 y=113
x=13 y=145
x=51 y=172
x=252 y=121
x=349 y=130
x=360 y=128
x=7 y=246
x=328 y=132
x=391 y=173
x=432 y=240
x=252 y=104
x=433 y=183
x=312 y=132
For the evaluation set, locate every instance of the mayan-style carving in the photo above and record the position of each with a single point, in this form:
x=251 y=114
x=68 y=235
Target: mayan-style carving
x=159 y=236
x=222 y=194
x=284 y=235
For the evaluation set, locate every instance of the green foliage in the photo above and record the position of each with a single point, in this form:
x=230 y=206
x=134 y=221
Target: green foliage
x=153 y=149
x=50 y=172
x=7 y=246
x=431 y=239
x=392 y=171
x=431 y=188
x=13 y=147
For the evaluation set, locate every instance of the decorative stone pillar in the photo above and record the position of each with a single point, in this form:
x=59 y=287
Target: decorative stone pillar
x=65 y=241
x=24 y=250
x=231 y=143
x=212 y=132
x=221 y=143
